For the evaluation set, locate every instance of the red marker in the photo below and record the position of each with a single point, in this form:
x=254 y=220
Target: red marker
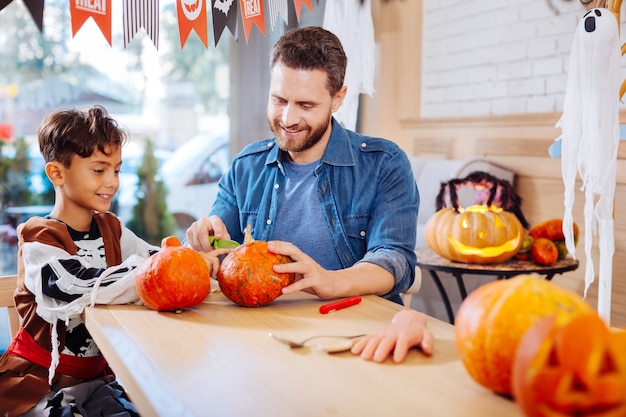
x=338 y=305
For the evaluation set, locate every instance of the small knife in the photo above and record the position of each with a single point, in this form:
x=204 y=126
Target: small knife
x=222 y=243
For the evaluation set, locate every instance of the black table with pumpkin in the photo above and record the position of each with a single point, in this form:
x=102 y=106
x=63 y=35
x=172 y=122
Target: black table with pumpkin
x=488 y=235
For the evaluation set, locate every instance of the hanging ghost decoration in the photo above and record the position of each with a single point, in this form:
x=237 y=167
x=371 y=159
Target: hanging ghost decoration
x=589 y=141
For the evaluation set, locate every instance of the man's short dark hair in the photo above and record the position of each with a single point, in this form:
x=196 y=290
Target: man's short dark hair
x=311 y=48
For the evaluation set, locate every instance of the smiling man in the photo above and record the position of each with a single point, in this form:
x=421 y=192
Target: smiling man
x=342 y=205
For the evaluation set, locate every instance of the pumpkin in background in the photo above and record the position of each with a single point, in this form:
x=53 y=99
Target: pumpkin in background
x=574 y=369
x=246 y=275
x=477 y=234
x=174 y=278
x=553 y=229
x=489 y=231
x=493 y=318
x=544 y=251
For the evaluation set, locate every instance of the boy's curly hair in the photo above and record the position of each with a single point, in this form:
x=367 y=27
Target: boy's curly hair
x=66 y=133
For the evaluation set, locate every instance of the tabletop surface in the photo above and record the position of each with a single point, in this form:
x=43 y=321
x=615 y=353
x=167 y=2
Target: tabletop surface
x=428 y=259
x=217 y=359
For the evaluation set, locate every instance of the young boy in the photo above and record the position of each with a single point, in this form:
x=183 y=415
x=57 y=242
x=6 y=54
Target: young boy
x=77 y=255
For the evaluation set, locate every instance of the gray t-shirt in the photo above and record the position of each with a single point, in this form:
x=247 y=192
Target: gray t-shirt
x=300 y=219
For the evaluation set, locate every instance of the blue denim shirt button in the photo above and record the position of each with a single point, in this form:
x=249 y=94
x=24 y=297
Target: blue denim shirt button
x=270 y=144
x=363 y=144
x=268 y=221
x=362 y=233
x=276 y=186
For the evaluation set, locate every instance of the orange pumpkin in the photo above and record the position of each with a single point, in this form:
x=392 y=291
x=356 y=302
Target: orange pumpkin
x=246 y=275
x=576 y=369
x=544 y=251
x=493 y=318
x=477 y=234
x=553 y=229
x=174 y=278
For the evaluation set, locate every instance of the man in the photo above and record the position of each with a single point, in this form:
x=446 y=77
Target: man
x=343 y=206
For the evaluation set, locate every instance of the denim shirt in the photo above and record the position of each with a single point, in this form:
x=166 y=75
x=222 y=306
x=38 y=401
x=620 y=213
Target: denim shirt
x=367 y=190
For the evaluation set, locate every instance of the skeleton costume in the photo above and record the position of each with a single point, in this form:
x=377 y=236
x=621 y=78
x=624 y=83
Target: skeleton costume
x=60 y=271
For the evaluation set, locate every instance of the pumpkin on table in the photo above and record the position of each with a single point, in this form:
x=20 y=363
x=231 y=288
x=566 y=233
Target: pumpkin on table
x=493 y=318
x=489 y=232
x=174 y=278
x=552 y=229
x=576 y=368
x=246 y=275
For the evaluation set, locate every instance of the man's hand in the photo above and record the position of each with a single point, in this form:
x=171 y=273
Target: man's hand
x=199 y=231
x=362 y=278
x=407 y=329
x=310 y=276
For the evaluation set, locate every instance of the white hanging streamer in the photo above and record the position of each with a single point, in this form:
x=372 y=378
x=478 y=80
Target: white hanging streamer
x=590 y=138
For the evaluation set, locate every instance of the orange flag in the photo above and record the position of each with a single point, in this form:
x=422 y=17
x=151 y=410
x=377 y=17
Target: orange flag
x=192 y=15
x=298 y=5
x=99 y=11
x=252 y=13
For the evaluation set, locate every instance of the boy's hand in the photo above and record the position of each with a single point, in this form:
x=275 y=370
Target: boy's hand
x=407 y=329
x=213 y=261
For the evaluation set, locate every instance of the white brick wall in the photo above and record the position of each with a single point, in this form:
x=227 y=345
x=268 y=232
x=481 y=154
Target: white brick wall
x=493 y=57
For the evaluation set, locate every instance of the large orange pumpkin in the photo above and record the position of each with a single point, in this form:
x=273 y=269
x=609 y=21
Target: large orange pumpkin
x=476 y=234
x=174 y=278
x=246 y=275
x=493 y=318
x=574 y=369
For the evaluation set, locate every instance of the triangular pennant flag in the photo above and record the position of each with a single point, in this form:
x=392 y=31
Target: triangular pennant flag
x=100 y=11
x=192 y=15
x=224 y=15
x=141 y=14
x=276 y=7
x=252 y=12
x=35 y=8
x=298 y=5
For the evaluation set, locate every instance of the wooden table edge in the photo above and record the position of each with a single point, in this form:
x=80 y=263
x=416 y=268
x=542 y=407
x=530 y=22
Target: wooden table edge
x=150 y=401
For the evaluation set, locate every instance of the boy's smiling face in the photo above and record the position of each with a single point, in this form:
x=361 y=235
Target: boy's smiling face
x=87 y=184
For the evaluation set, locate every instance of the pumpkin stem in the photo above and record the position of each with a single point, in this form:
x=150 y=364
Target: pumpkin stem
x=170 y=241
x=248 y=239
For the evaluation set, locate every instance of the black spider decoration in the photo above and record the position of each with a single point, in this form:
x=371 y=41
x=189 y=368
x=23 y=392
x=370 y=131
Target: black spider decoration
x=500 y=193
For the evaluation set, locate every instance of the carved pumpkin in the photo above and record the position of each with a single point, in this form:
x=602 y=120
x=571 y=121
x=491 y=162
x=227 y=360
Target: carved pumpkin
x=476 y=234
x=574 y=369
x=493 y=318
x=174 y=278
x=247 y=277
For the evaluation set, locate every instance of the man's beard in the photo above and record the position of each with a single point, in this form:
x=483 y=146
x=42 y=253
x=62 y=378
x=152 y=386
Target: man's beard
x=312 y=138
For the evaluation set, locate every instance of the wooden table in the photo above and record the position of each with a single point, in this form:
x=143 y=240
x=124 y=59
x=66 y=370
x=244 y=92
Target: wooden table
x=433 y=263
x=217 y=360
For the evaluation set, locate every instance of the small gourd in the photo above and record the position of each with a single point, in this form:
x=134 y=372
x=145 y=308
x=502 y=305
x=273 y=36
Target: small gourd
x=173 y=279
x=246 y=275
